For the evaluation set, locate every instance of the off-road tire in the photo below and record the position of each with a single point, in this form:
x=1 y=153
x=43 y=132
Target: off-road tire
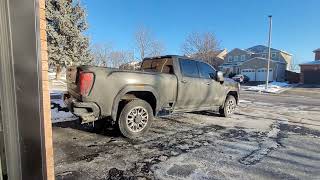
x=122 y=121
x=229 y=106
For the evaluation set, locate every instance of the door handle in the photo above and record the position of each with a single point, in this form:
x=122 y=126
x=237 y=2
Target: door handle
x=208 y=83
x=184 y=81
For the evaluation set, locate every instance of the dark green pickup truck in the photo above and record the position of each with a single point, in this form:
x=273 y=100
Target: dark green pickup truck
x=164 y=85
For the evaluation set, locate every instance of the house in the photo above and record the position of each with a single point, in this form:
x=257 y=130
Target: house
x=310 y=72
x=218 y=58
x=253 y=61
x=214 y=58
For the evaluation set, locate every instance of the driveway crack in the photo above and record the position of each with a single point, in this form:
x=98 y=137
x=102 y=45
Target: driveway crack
x=268 y=143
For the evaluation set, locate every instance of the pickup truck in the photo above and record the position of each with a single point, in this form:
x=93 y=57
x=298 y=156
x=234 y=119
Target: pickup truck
x=164 y=85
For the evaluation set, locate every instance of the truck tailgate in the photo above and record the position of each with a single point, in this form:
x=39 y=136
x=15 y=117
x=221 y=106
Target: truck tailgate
x=72 y=86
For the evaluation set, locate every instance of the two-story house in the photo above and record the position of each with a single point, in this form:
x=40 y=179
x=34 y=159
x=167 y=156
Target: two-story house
x=252 y=62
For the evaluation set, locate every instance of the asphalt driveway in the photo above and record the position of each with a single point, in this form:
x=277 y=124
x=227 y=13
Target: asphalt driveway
x=270 y=137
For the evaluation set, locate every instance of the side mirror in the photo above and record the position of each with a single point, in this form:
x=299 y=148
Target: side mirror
x=220 y=77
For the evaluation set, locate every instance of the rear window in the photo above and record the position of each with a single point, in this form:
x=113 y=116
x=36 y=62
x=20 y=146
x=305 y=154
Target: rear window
x=189 y=68
x=163 y=65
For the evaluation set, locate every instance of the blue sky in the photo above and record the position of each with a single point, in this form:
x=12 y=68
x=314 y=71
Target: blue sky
x=242 y=23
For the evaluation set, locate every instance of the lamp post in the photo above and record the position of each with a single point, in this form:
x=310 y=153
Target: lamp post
x=269 y=50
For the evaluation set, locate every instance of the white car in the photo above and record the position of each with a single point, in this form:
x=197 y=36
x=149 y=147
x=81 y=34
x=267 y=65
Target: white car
x=238 y=78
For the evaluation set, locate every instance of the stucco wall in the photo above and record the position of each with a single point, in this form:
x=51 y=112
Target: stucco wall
x=286 y=58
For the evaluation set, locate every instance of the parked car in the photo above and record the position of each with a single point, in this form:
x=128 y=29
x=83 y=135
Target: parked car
x=166 y=84
x=240 y=78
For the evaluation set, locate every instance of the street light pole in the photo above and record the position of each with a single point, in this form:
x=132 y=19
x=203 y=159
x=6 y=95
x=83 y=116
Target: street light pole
x=269 y=50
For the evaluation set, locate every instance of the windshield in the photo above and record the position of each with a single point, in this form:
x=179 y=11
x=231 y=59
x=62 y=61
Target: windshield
x=163 y=65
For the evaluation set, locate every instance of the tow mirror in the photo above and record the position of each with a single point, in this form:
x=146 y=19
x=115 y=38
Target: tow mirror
x=220 y=77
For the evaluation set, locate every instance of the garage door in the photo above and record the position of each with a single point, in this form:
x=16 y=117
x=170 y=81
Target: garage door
x=251 y=73
x=311 y=77
x=262 y=74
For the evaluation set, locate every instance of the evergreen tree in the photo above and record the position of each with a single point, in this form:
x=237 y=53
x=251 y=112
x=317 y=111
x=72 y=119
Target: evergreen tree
x=66 y=24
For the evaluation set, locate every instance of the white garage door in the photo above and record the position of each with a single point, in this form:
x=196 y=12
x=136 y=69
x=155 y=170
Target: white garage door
x=251 y=73
x=262 y=74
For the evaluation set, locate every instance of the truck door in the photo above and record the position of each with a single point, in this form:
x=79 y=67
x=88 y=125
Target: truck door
x=190 y=95
x=213 y=89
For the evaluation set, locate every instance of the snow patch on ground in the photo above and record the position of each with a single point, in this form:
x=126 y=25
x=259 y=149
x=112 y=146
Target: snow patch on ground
x=273 y=87
x=57 y=84
x=59 y=111
x=244 y=101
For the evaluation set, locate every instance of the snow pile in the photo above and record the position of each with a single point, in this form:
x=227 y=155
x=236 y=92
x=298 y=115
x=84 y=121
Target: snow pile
x=273 y=87
x=59 y=111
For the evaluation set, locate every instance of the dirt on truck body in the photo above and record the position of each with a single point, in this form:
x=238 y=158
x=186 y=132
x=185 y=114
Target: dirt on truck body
x=164 y=85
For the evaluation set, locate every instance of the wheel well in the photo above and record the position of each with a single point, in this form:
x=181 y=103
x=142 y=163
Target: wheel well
x=144 y=95
x=234 y=94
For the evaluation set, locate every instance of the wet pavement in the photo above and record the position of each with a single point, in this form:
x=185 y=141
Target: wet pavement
x=270 y=137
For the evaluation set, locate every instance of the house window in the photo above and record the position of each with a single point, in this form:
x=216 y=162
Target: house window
x=264 y=55
x=273 y=55
x=235 y=58
x=243 y=57
x=230 y=58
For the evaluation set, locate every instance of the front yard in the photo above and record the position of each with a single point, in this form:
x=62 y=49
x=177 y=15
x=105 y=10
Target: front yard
x=270 y=137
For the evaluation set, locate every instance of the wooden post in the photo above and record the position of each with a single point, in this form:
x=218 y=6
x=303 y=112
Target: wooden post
x=47 y=127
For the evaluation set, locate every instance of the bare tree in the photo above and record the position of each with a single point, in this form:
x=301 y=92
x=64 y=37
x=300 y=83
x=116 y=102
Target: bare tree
x=156 y=48
x=201 y=45
x=146 y=44
x=101 y=53
x=104 y=55
x=118 y=58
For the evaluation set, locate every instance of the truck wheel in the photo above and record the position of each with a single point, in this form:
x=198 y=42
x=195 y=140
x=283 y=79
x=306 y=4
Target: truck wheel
x=135 y=118
x=229 y=106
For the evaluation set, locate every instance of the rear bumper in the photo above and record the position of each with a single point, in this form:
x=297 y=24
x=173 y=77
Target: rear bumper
x=87 y=111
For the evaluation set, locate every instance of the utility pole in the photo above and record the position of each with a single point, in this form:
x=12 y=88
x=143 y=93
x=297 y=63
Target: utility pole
x=269 y=50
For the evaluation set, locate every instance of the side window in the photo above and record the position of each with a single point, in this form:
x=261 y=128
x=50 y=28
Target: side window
x=243 y=57
x=206 y=71
x=189 y=68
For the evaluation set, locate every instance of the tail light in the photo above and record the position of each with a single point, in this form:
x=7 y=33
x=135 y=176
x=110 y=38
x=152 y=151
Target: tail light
x=85 y=82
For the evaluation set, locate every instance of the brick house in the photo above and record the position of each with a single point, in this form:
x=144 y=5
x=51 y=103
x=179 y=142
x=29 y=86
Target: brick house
x=252 y=62
x=310 y=72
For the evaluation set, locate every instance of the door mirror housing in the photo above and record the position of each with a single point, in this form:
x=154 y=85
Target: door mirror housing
x=220 y=77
